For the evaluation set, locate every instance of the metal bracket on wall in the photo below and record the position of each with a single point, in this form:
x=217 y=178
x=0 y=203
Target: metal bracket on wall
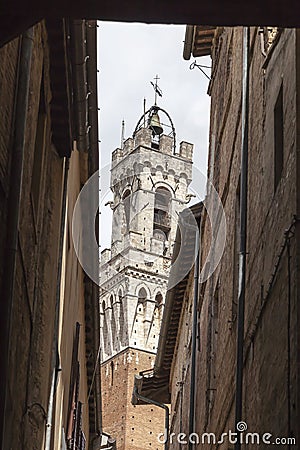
x=200 y=67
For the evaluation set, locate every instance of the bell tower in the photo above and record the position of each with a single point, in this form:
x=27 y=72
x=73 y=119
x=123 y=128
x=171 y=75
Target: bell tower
x=149 y=181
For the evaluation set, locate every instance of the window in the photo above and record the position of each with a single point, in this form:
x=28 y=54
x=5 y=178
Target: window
x=158 y=299
x=113 y=325
x=161 y=220
x=112 y=373
x=105 y=330
x=126 y=203
x=158 y=307
x=278 y=138
x=143 y=310
x=142 y=295
x=122 y=330
x=162 y=198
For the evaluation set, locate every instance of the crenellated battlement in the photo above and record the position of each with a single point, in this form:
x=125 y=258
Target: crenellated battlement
x=164 y=145
x=186 y=150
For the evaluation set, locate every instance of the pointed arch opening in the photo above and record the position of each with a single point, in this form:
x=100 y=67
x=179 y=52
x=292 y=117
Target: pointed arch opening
x=162 y=206
x=142 y=295
x=126 y=203
x=122 y=325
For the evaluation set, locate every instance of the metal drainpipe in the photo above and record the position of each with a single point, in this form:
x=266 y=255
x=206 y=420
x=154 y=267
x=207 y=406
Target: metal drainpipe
x=243 y=234
x=55 y=355
x=194 y=341
x=91 y=66
x=160 y=405
x=13 y=215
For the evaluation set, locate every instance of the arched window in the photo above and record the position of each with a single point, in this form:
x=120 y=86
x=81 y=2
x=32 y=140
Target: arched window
x=162 y=204
x=158 y=307
x=143 y=310
x=162 y=198
x=158 y=299
x=126 y=202
x=113 y=325
x=106 y=331
x=120 y=296
x=122 y=319
x=142 y=296
x=112 y=367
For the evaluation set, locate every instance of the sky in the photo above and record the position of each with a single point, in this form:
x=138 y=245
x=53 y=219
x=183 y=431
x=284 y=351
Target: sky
x=130 y=55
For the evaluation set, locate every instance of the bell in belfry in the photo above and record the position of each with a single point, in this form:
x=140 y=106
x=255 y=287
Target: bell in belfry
x=155 y=125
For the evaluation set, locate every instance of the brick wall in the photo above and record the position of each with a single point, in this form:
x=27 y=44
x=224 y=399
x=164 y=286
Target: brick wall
x=180 y=377
x=134 y=427
x=34 y=294
x=9 y=57
x=270 y=213
x=35 y=288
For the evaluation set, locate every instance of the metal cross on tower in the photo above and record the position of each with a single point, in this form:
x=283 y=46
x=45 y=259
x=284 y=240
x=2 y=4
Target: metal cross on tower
x=156 y=88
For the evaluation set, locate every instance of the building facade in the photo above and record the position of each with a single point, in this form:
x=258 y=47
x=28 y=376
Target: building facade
x=269 y=397
x=269 y=400
x=149 y=181
x=49 y=306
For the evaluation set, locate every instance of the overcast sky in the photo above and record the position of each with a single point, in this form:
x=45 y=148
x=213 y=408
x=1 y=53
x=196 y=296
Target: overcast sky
x=129 y=57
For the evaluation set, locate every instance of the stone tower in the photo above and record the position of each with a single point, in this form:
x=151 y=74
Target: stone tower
x=149 y=181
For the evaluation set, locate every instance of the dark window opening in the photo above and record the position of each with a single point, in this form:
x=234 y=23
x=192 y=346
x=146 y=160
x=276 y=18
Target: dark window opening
x=142 y=295
x=122 y=320
x=162 y=218
x=112 y=373
x=155 y=145
x=126 y=201
x=158 y=299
